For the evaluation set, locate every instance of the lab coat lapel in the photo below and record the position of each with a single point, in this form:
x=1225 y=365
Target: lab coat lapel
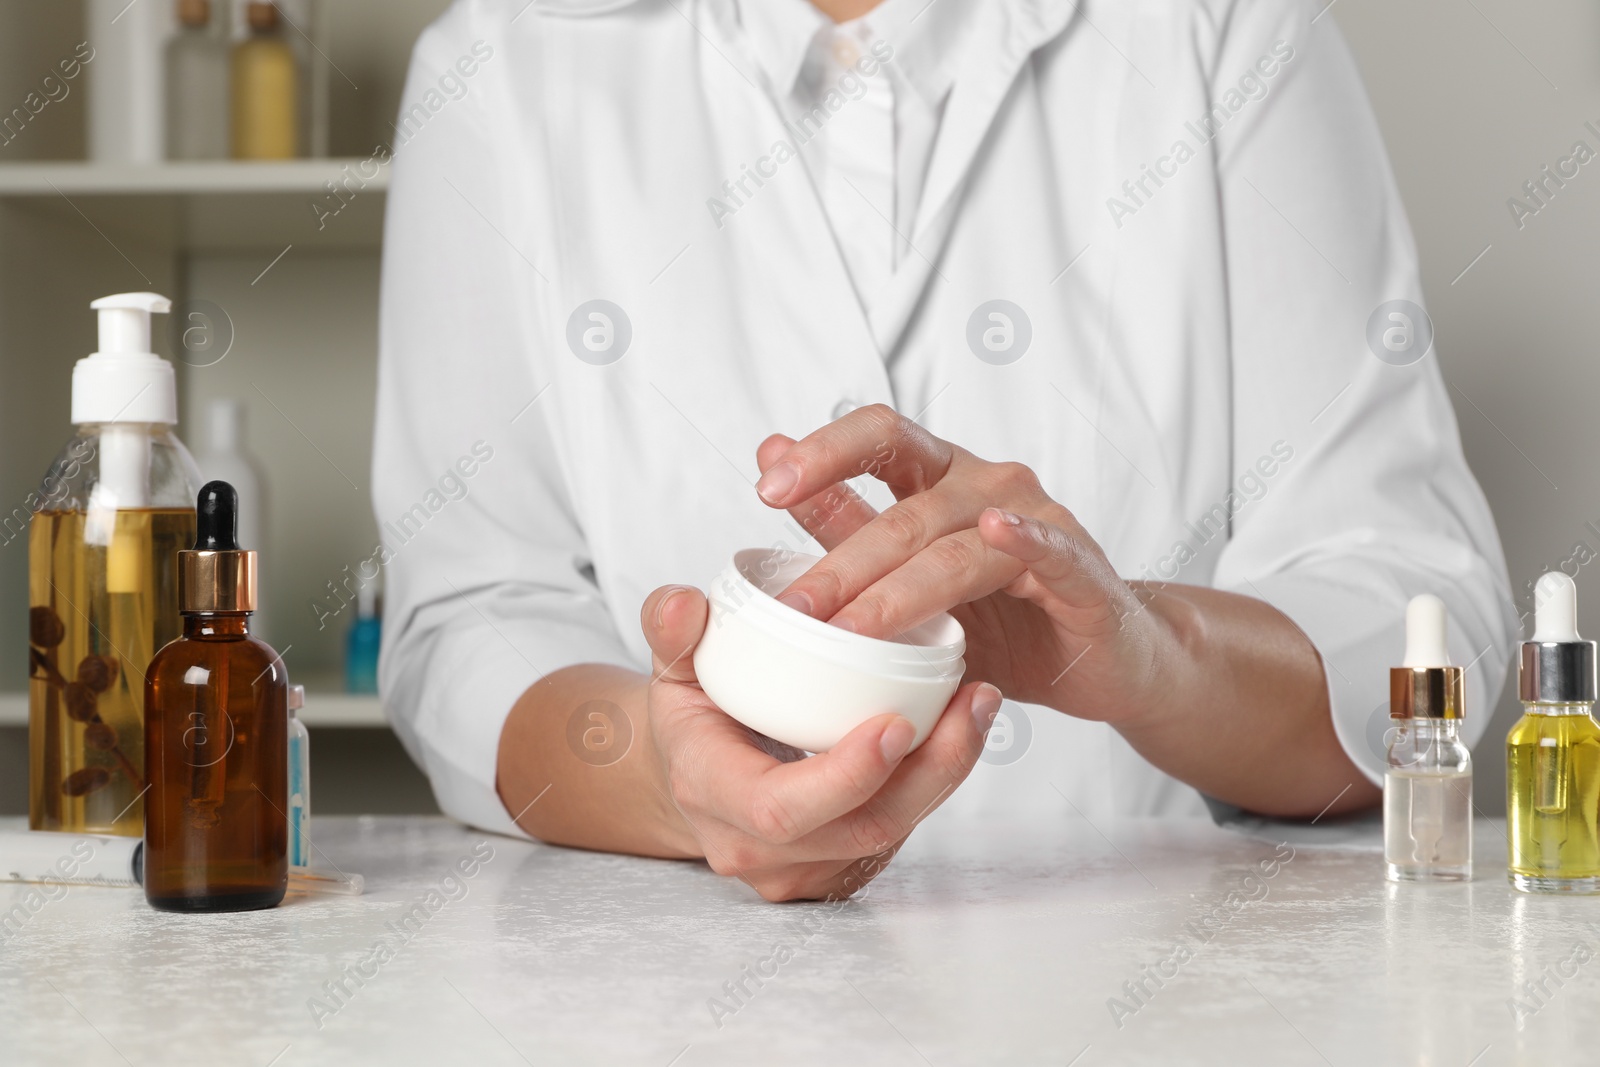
x=983 y=79
x=788 y=221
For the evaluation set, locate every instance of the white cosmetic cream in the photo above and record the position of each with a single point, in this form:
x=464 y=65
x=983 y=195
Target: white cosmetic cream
x=805 y=683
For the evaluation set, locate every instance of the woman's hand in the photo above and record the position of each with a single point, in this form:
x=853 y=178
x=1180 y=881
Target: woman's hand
x=792 y=827
x=1047 y=618
x=1219 y=690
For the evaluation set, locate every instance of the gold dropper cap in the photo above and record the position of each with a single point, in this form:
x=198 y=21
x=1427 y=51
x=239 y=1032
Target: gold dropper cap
x=217 y=575
x=1426 y=685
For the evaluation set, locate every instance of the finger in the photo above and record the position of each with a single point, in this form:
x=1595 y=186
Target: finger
x=877 y=549
x=831 y=515
x=956 y=569
x=778 y=803
x=923 y=781
x=873 y=440
x=673 y=618
x=1069 y=569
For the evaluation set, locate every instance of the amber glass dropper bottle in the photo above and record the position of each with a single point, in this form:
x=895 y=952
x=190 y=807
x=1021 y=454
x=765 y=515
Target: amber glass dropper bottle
x=216 y=832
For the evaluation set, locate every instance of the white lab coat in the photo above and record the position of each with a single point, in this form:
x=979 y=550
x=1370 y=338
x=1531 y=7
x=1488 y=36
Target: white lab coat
x=1198 y=387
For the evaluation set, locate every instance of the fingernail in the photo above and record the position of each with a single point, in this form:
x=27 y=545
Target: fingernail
x=661 y=608
x=896 y=740
x=985 y=705
x=796 y=600
x=775 y=485
x=1006 y=517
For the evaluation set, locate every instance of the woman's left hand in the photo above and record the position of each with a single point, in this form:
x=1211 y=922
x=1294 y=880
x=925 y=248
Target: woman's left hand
x=1047 y=619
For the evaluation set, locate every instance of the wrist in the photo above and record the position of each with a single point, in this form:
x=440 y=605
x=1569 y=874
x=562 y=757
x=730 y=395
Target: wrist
x=1171 y=634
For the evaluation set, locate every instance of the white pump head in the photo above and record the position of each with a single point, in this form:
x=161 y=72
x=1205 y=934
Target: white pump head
x=1555 y=608
x=124 y=381
x=1425 y=630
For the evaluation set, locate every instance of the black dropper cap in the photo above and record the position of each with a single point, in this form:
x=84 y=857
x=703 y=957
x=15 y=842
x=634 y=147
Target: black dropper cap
x=216 y=575
x=217 y=518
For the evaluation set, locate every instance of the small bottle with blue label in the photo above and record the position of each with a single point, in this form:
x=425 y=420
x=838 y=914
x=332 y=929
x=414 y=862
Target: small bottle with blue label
x=299 y=781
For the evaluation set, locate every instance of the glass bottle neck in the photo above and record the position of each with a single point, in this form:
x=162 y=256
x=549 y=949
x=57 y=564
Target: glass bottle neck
x=1557 y=709
x=202 y=626
x=1432 y=729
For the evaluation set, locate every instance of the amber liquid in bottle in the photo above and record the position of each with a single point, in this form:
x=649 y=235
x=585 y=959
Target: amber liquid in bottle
x=97 y=613
x=1553 y=799
x=216 y=745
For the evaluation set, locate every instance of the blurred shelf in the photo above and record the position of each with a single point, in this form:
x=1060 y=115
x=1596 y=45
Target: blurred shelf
x=187 y=179
x=211 y=205
x=323 y=708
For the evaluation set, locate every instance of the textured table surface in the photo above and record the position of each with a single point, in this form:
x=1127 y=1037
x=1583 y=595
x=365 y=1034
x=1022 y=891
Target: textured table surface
x=986 y=942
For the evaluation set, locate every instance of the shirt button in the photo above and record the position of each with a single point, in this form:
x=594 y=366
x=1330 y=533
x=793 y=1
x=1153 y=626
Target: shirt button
x=844 y=407
x=845 y=52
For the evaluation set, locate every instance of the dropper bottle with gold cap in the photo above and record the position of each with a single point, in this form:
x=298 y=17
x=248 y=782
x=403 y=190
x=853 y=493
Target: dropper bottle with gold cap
x=1427 y=790
x=216 y=736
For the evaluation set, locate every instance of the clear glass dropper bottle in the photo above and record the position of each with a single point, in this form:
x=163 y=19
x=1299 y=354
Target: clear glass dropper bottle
x=1553 y=752
x=1427 y=790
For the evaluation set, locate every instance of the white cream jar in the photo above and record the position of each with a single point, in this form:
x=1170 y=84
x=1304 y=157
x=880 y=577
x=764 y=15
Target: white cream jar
x=805 y=683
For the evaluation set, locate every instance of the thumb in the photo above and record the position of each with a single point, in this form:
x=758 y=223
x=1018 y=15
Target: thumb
x=673 y=619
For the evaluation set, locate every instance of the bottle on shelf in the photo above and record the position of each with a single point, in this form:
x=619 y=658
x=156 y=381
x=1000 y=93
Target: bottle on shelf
x=1553 y=752
x=265 y=89
x=363 y=642
x=216 y=832
x=1427 y=790
x=113 y=511
x=197 y=83
x=225 y=457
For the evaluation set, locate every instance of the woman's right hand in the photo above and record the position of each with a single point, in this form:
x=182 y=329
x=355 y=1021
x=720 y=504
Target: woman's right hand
x=793 y=827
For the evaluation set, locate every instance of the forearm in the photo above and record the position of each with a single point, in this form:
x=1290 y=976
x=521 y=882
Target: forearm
x=619 y=806
x=1240 y=710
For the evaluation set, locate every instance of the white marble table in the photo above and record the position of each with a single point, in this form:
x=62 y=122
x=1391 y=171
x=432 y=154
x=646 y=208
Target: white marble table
x=984 y=943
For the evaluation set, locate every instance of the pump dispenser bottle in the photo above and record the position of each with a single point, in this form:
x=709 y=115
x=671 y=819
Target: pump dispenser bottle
x=1427 y=790
x=111 y=514
x=217 y=736
x=1553 y=752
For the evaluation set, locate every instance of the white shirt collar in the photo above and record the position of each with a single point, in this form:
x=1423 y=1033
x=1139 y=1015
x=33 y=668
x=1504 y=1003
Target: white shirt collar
x=926 y=37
